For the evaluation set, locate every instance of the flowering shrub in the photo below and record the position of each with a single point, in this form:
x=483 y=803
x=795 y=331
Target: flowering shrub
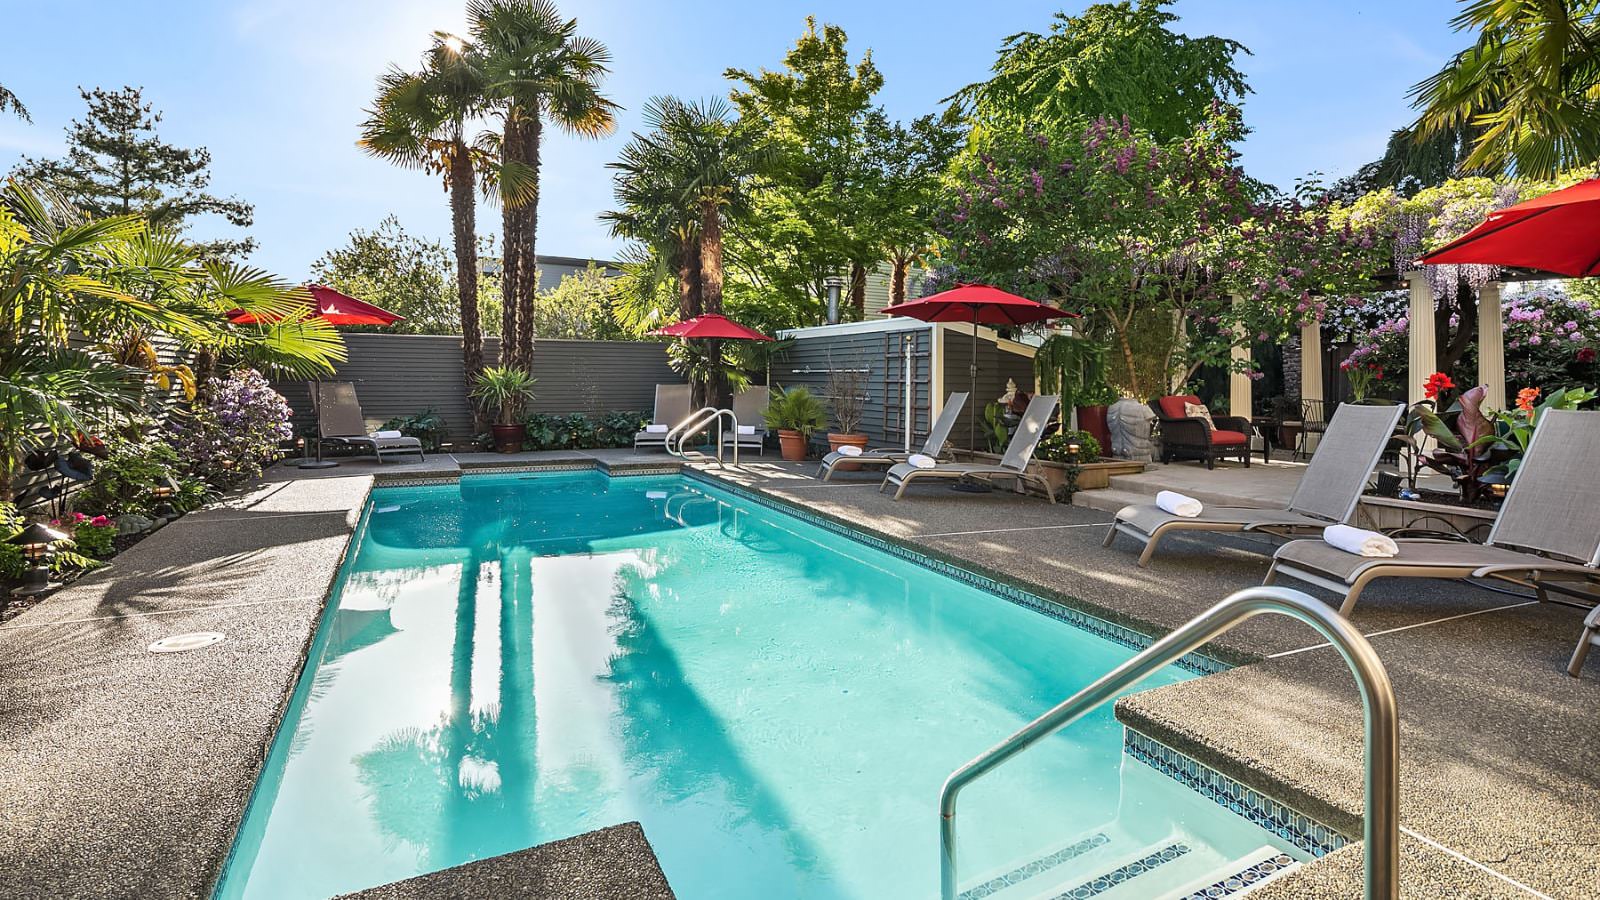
x=227 y=440
x=124 y=479
x=1551 y=338
x=92 y=535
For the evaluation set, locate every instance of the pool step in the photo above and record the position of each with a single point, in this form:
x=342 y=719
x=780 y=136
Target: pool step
x=1173 y=868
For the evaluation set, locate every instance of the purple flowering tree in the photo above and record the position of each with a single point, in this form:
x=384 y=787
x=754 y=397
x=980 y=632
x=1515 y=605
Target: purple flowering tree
x=227 y=439
x=1151 y=240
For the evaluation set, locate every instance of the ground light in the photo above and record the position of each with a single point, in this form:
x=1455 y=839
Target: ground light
x=38 y=546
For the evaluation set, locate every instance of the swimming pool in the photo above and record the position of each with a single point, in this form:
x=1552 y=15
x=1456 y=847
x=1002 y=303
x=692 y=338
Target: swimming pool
x=515 y=659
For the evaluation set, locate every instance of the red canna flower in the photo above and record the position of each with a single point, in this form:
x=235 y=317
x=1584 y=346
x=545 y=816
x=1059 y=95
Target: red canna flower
x=1526 y=397
x=1437 y=384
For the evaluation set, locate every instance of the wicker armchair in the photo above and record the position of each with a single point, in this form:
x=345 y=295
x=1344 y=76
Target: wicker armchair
x=1189 y=437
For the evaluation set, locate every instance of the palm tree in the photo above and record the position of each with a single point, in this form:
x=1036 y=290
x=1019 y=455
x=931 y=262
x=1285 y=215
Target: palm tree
x=678 y=185
x=422 y=120
x=538 y=69
x=1525 y=93
x=10 y=103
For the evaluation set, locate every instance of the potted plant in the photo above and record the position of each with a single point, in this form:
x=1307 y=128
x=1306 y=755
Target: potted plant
x=1092 y=403
x=846 y=395
x=794 y=413
x=505 y=391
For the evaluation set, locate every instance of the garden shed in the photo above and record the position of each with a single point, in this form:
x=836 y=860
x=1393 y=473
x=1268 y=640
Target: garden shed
x=900 y=358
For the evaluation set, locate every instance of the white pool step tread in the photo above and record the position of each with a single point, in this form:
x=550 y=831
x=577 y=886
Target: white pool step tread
x=1024 y=880
x=1139 y=874
x=1237 y=878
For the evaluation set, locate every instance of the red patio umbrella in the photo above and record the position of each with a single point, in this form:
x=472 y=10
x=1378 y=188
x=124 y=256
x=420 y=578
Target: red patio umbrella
x=333 y=307
x=1558 y=232
x=711 y=325
x=979 y=304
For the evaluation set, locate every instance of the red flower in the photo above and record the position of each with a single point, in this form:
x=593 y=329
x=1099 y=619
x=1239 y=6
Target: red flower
x=1525 y=398
x=1436 y=384
x=1586 y=355
x=100 y=521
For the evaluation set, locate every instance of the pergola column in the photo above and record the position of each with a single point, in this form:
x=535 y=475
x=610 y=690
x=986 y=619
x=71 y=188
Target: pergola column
x=1424 y=356
x=1240 y=401
x=1491 y=346
x=1311 y=369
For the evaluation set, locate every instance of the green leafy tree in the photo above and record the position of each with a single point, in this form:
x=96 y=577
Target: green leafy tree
x=1114 y=60
x=400 y=272
x=423 y=120
x=9 y=103
x=538 y=70
x=1523 y=95
x=810 y=207
x=578 y=308
x=908 y=192
x=116 y=165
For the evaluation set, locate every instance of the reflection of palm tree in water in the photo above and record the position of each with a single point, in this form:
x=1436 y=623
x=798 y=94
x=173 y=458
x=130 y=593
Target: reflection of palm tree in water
x=421 y=789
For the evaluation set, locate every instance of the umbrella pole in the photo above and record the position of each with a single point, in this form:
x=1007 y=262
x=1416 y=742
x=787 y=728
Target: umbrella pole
x=972 y=407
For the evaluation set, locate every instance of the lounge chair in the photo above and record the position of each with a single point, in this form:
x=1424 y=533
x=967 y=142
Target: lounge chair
x=339 y=420
x=1328 y=492
x=750 y=408
x=672 y=407
x=888 y=456
x=1013 y=465
x=1547 y=533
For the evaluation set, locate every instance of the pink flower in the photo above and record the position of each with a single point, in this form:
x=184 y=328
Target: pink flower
x=100 y=521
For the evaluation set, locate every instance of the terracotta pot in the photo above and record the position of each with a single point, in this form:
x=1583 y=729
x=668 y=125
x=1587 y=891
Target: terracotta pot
x=835 y=441
x=792 y=444
x=1093 y=420
x=509 y=438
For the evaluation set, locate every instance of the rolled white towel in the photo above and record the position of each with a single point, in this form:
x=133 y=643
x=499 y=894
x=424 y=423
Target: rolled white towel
x=657 y=429
x=922 y=461
x=849 y=450
x=386 y=435
x=747 y=429
x=1360 y=541
x=1179 y=504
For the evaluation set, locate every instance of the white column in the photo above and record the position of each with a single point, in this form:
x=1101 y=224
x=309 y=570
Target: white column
x=1239 y=384
x=1424 y=355
x=1311 y=372
x=1492 y=346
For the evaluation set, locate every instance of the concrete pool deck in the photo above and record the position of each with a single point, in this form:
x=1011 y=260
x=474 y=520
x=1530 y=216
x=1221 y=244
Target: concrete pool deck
x=125 y=773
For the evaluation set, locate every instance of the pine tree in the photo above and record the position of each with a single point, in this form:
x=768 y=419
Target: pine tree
x=116 y=165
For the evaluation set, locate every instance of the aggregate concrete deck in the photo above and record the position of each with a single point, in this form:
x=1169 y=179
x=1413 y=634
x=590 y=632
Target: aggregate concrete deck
x=613 y=863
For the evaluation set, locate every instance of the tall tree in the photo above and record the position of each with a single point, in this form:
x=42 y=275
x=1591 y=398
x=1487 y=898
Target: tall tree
x=811 y=120
x=10 y=103
x=680 y=184
x=1114 y=60
x=116 y=165
x=423 y=120
x=538 y=69
x=908 y=194
x=1527 y=88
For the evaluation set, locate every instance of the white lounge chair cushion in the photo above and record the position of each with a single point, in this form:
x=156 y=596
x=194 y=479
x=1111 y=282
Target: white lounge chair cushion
x=850 y=450
x=1179 y=504
x=922 y=461
x=1360 y=541
x=747 y=429
x=657 y=429
x=385 y=435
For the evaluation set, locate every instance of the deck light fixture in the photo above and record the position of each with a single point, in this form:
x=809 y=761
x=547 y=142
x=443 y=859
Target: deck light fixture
x=38 y=545
x=163 y=492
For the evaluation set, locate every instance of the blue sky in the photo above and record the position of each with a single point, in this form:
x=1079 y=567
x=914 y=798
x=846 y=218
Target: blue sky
x=275 y=88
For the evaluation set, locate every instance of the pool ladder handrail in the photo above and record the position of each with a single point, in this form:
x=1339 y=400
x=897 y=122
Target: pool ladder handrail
x=1382 y=779
x=702 y=419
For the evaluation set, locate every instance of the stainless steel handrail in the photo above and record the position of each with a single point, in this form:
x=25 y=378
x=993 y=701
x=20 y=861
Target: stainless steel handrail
x=702 y=418
x=1382 y=825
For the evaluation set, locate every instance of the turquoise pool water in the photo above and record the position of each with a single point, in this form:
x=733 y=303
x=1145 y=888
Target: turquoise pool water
x=517 y=659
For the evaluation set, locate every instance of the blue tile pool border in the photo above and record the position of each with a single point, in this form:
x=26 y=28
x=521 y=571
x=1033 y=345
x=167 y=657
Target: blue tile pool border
x=1279 y=818
x=1198 y=663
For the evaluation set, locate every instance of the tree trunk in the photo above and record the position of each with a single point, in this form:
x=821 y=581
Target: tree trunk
x=689 y=302
x=528 y=283
x=463 y=221
x=858 y=291
x=897 y=280
x=510 y=251
x=711 y=293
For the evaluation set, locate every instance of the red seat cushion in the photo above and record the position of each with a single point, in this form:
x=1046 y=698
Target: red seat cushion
x=1227 y=437
x=1172 y=407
